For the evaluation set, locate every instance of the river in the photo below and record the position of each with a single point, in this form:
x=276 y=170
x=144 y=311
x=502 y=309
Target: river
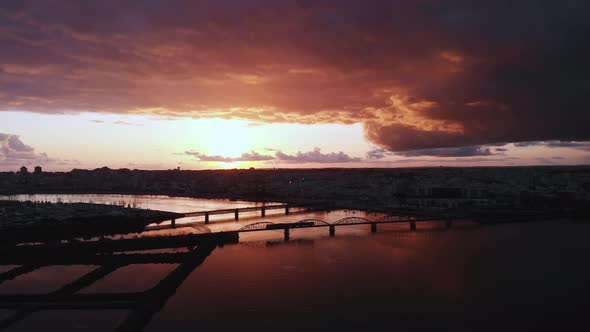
x=524 y=276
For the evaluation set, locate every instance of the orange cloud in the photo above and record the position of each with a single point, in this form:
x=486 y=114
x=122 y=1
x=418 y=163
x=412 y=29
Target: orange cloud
x=418 y=75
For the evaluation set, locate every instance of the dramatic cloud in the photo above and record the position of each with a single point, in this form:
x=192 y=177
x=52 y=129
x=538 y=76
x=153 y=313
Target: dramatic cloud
x=247 y=156
x=13 y=152
x=315 y=156
x=555 y=144
x=468 y=151
x=376 y=154
x=417 y=74
x=459 y=152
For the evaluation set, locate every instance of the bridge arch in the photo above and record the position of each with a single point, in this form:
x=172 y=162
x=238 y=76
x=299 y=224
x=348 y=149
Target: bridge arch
x=257 y=226
x=316 y=222
x=352 y=221
x=392 y=218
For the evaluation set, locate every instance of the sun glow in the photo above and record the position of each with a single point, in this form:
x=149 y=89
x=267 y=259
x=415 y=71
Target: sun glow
x=227 y=138
x=237 y=164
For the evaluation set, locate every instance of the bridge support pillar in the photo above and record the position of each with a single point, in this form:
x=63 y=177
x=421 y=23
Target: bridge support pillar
x=332 y=230
x=448 y=224
x=206 y=217
x=374 y=227
x=263 y=211
x=286 y=210
x=173 y=222
x=286 y=234
x=236 y=216
x=412 y=225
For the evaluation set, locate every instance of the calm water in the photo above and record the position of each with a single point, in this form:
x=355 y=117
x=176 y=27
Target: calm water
x=153 y=202
x=515 y=277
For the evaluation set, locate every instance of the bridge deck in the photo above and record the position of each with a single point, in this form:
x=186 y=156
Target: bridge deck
x=325 y=224
x=250 y=209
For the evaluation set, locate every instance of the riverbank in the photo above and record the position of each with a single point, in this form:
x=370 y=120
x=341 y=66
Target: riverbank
x=43 y=221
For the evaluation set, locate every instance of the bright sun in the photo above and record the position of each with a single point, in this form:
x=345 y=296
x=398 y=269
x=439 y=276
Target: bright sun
x=237 y=164
x=227 y=138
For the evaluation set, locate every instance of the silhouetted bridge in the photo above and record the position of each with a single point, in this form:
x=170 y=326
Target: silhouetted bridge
x=263 y=208
x=348 y=221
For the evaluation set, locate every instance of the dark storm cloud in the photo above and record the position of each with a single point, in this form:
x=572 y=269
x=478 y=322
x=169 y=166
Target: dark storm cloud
x=418 y=74
x=555 y=144
x=467 y=151
x=377 y=154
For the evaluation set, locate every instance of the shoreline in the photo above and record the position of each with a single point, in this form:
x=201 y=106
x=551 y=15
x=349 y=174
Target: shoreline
x=28 y=221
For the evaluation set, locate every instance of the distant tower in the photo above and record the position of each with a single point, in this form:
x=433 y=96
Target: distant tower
x=23 y=175
x=38 y=170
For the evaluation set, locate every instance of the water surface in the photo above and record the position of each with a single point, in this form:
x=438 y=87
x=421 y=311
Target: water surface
x=153 y=202
x=524 y=276
x=511 y=277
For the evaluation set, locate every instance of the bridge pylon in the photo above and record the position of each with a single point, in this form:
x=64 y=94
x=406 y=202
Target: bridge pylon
x=374 y=227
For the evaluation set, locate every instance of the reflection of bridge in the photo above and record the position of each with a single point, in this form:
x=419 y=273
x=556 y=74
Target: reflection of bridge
x=348 y=221
x=142 y=306
x=262 y=209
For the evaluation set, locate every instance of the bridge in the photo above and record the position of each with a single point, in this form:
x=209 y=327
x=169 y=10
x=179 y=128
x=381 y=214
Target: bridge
x=404 y=217
x=348 y=221
x=263 y=208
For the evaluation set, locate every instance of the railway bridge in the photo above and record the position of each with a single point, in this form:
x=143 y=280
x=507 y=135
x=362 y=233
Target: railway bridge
x=348 y=221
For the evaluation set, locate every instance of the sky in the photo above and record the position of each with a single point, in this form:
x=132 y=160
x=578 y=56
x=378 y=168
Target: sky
x=266 y=83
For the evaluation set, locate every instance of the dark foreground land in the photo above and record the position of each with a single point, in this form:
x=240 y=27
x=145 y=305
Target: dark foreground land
x=45 y=221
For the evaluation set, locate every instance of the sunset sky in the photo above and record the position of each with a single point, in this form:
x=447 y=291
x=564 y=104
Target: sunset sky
x=224 y=84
